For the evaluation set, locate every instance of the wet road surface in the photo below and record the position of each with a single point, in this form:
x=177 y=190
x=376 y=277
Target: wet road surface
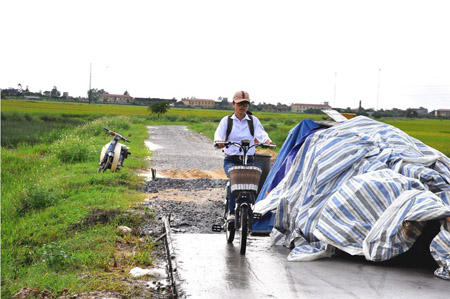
x=208 y=267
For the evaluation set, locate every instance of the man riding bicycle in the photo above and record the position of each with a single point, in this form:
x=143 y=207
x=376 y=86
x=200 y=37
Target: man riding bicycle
x=235 y=128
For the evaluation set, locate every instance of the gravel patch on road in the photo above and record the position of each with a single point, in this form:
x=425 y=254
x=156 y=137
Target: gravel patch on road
x=188 y=216
x=194 y=203
x=154 y=186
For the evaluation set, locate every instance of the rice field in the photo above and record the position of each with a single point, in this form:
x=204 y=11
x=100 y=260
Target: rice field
x=433 y=132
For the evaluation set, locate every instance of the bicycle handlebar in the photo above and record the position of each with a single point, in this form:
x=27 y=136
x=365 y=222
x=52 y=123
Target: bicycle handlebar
x=244 y=146
x=229 y=143
x=117 y=135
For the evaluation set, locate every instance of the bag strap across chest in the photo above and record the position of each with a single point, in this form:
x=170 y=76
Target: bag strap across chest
x=230 y=126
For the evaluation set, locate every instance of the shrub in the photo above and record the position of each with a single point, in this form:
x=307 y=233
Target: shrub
x=74 y=149
x=172 y=118
x=118 y=123
x=191 y=119
x=49 y=117
x=95 y=128
x=13 y=116
x=28 y=117
x=159 y=108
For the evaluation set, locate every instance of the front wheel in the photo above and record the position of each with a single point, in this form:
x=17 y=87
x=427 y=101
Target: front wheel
x=105 y=165
x=244 y=228
x=231 y=230
x=230 y=227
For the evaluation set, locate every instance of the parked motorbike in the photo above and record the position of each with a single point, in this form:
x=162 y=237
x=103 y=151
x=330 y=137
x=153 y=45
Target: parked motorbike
x=113 y=153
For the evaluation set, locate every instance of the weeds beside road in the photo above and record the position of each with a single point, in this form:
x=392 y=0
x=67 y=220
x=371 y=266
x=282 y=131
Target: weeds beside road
x=59 y=216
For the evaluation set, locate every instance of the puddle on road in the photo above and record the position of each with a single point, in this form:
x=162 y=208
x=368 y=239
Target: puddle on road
x=152 y=146
x=148 y=175
x=209 y=267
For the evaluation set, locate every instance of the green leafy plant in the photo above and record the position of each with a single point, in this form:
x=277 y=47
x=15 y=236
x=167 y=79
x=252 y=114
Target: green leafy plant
x=55 y=257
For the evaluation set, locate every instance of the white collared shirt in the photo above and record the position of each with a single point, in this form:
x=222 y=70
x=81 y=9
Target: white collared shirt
x=240 y=131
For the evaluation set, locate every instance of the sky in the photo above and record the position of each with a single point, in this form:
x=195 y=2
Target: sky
x=385 y=54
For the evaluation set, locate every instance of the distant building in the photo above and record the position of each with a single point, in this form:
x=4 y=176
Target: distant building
x=199 y=103
x=360 y=110
x=300 y=108
x=11 y=92
x=444 y=113
x=420 y=111
x=115 y=99
x=33 y=97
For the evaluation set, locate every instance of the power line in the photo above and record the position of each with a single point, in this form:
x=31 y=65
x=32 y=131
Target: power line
x=378 y=89
x=421 y=95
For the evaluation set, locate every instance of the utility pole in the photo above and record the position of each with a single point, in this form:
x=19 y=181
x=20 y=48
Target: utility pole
x=90 y=79
x=378 y=89
x=334 y=99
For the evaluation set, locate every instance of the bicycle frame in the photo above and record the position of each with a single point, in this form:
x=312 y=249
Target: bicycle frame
x=244 y=201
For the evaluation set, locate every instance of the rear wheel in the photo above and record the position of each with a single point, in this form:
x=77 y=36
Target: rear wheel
x=244 y=228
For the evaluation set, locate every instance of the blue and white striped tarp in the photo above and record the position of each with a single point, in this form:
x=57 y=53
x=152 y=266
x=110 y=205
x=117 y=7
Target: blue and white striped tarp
x=366 y=188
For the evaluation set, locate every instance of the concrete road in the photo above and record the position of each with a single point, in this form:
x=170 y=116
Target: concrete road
x=176 y=147
x=208 y=267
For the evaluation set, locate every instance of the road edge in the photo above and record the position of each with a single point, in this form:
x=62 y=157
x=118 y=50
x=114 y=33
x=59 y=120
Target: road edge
x=171 y=258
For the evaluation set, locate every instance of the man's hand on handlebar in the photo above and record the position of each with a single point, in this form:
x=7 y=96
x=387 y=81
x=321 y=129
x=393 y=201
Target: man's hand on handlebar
x=269 y=144
x=219 y=144
x=222 y=144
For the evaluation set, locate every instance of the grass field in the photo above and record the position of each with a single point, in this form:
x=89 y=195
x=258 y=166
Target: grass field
x=53 y=200
x=59 y=217
x=200 y=120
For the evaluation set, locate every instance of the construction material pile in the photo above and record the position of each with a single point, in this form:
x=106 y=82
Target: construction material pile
x=361 y=186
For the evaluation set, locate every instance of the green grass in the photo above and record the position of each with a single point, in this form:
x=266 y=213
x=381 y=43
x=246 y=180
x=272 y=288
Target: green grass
x=51 y=235
x=71 y=109
x=432 y=132
x=19 y=127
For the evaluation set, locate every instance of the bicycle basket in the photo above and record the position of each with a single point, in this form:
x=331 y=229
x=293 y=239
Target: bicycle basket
x=244 y=178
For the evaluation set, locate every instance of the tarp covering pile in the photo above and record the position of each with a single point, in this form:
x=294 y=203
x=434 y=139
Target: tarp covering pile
x=282 y=164
x=364 y=187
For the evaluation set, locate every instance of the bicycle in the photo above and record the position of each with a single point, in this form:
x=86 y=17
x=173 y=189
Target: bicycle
x=244 y=181
x=112 y=156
